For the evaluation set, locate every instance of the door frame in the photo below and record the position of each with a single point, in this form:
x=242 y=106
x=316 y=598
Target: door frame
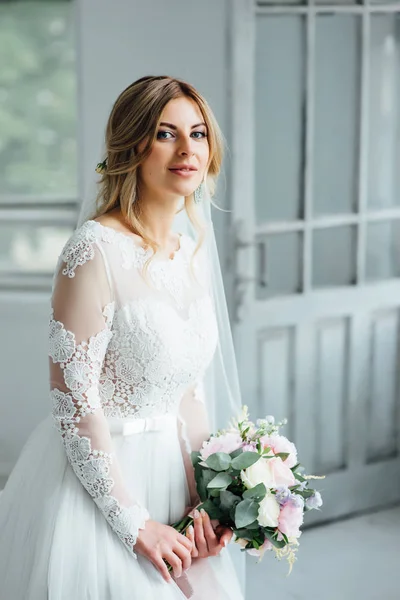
x=379 y=297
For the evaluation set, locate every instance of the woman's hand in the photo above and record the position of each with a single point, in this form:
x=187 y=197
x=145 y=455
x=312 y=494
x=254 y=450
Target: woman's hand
x=205 y=540
x=158 y=542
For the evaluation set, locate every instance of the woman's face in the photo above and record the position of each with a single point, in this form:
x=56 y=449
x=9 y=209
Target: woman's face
x=181 y=139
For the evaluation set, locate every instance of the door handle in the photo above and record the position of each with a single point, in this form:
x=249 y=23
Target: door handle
x=241 y=241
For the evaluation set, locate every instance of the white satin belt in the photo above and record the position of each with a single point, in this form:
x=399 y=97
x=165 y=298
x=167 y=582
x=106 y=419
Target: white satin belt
x=131 y=426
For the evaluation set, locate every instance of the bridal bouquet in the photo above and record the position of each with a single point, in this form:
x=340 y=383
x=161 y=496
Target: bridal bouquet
x=249 y=479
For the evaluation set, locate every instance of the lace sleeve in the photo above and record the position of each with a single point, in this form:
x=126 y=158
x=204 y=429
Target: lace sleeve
x=79 y=333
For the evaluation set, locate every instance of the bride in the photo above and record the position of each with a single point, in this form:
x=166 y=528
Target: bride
x=141 y=369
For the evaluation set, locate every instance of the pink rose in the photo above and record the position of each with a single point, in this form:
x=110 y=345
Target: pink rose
x=228 y=442
x=281 y=473
x=278 y=443
x=290 y=520
x=272 y=472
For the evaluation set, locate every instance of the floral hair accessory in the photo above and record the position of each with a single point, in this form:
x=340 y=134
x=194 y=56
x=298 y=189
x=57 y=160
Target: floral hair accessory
x=101 y=167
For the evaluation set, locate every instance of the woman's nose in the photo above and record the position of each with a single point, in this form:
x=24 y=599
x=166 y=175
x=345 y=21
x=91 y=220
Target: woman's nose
x=185 y=148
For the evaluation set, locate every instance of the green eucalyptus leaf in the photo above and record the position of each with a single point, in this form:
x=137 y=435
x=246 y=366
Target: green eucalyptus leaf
x=245 y=533
x=257 y=493
x=253 y=525
x=246 y=512
x=236 y=453
x=220 y=481
x=202 y=483
x=195 y=457
x=245 y=460
x=228 y=500
x=273 y=540
x=220 y=461
x=211 y=509
x=198 y=475
x=260 y=539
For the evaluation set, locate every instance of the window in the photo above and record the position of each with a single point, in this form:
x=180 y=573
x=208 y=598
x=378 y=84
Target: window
x=38 y=135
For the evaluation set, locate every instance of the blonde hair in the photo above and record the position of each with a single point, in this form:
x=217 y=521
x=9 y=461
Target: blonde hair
x=134 y=118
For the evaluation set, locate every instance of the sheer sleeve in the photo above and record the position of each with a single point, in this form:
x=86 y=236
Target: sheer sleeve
x=79 y=334
x=194 y=429
x=194 y=417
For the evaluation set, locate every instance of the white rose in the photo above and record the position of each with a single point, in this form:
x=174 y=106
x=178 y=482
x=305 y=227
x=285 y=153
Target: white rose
x=268 y=513
x=272 y=472
x=260 y=472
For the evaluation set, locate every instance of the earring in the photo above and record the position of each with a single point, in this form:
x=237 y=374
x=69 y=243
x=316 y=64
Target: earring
x=198 y=194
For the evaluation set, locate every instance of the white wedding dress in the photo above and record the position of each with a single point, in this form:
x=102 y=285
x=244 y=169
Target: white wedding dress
x=128 y=351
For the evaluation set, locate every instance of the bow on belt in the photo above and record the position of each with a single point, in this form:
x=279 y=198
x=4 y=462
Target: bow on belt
x=125 y=427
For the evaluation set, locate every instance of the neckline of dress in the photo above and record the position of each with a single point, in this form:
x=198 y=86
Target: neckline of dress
x=135 y=243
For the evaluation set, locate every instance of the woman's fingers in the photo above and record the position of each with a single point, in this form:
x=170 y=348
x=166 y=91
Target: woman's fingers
x=214 y=523
x=159 y=563
x=175 y=562
x=184 y=555
x=225 y=534
x=190 y=536
x=207 y=540
x=199 y=534
x=209 y=533
x=182 y=539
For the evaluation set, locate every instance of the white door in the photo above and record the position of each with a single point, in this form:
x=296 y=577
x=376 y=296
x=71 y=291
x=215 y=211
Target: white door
x=315 y=243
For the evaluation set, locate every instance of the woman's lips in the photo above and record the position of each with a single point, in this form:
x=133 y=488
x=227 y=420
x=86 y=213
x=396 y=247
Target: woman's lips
x=183 y=172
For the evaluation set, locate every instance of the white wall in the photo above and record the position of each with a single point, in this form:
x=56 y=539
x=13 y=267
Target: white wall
x=118 y=42
x=23 y=371
x=124 y=40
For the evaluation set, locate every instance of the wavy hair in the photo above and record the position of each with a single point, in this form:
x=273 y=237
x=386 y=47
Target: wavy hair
x=135 y=117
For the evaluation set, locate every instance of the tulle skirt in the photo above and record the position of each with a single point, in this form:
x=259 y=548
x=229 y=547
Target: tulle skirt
x=55 y=544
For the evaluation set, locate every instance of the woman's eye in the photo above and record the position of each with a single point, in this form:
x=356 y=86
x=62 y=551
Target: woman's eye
x=202 y=133
x=160 y=135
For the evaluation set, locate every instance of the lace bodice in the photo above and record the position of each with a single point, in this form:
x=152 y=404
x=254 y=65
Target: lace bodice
x=153 y=356
x=123 y=343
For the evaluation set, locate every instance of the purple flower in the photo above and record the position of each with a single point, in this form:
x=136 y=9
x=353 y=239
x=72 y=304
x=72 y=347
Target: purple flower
x=249 y=447
x=282 y=495
x=314 y=501
x=297 y=501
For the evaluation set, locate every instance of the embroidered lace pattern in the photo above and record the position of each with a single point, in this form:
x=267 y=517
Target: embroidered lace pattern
x=145 y=371
x=81 y=365
x=172 y=276
x=138 y=364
